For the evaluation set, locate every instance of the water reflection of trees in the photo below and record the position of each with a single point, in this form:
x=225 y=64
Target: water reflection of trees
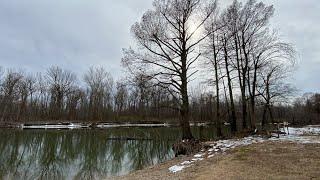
x=85 y=154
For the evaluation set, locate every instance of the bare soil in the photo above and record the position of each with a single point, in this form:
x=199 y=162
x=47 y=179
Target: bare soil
x=269 y=160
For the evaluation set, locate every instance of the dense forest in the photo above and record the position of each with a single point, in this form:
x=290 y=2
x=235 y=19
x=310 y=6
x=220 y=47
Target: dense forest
x=193 y=61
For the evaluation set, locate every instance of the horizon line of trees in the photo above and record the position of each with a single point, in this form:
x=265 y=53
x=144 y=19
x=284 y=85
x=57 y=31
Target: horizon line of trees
x=57 y=95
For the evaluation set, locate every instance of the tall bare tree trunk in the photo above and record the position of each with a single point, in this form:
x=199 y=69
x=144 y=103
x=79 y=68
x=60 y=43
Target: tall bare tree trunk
x=218 y=116
x=216 y=68
x=184 y=111
x=253 y=98
x=241 y=83
x=232 y=108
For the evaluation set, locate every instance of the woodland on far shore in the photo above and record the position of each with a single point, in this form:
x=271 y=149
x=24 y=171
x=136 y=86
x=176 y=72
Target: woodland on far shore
x=247 y=63
x=27 y=97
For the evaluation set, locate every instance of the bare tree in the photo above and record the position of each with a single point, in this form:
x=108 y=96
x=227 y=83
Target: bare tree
x=73 y=101
x=60 y=82
x=23 y=93
x=100 y=85
x=214 y=47
x=10 y=90
x=43 y=96
x=274 y=89
x=247 y=23
x=230 y=85
x=120 y=98
x=141 y=85
x=168 y=36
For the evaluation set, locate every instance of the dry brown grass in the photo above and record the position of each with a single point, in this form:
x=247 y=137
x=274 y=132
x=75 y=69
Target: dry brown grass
x=269 y=160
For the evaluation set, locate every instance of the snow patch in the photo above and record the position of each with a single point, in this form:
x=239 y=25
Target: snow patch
x=197 y=159
x=176 y=168
x=186 y=162
x=198 y=155
x=308 y=130
x=298 y=139
x=305 y=135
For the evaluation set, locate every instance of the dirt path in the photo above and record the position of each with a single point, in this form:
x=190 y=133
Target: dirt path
x=268 y=160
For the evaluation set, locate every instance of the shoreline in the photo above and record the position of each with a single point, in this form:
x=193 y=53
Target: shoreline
x=229 y=165
x=302 y=143
x=90 y=125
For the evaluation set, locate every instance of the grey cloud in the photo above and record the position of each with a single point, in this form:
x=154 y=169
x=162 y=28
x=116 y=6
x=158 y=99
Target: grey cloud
x=297 y=22
x=78 y=33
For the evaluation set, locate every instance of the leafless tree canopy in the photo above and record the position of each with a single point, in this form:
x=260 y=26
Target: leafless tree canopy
x=168 y=37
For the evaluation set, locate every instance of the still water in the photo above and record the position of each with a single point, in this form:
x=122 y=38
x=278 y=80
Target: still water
x=86 y=154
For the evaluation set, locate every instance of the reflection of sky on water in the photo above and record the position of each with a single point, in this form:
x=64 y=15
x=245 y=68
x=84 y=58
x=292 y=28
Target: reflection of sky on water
x=85 y=154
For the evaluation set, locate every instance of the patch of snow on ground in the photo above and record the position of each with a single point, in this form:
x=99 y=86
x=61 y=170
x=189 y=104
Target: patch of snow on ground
x=308 y=130
x=225 y=145
x=198 y=155
x=186 y=162
x=176 y=168
x=305 y=135
x=197 y=159
x=298 y=139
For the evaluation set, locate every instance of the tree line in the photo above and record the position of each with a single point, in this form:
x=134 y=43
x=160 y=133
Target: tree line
x=59 y=95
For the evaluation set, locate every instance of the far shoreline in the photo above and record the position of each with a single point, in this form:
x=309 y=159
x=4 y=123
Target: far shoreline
x=91 y=124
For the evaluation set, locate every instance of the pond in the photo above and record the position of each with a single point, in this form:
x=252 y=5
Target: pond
x=86 y=154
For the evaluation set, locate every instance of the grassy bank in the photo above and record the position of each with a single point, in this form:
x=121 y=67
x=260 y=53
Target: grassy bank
x=268 y=160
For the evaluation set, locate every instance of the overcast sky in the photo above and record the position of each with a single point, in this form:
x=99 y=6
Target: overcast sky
x=75 y=34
